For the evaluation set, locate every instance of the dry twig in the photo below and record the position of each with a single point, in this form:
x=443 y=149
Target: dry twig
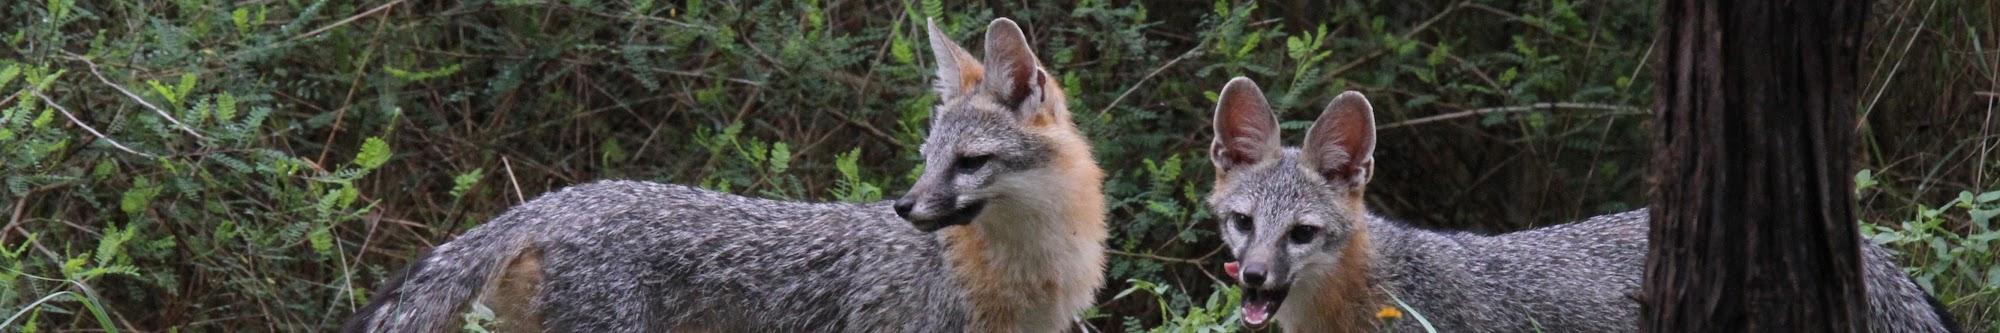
x=93 y=131
x=135 y=97
x=1614 y=108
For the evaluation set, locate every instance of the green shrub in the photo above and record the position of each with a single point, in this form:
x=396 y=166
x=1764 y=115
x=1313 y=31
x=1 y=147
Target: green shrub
x=206 y=165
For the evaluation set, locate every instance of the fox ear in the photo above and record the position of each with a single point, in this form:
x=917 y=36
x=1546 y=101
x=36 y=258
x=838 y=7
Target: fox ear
x=1341 y=144
x=1016 y=80
x=957 y=71
x=1246 y=133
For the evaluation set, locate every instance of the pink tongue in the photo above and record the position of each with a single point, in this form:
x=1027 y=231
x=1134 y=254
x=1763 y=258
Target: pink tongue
x=1254 y=313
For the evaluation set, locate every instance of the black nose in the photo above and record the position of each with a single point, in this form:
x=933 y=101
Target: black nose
x=1253 y=274
x=903 y=207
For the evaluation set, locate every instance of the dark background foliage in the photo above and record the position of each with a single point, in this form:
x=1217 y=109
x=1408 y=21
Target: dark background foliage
x=208 y=165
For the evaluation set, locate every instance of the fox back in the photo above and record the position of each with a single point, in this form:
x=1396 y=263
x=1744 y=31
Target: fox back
x=1314 y=259
x=1002 y=232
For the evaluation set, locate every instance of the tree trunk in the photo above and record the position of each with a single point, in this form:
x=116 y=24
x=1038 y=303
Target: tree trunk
x=1753 y=225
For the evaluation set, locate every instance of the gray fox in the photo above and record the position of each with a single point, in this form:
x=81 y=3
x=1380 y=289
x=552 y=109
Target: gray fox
x=1313 y=259
x=1003 y=232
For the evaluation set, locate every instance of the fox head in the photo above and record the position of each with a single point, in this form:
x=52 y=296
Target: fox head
x=1288 y=212
x=999 y=135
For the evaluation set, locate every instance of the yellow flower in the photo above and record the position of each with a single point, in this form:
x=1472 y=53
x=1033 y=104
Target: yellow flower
x=1389 y=313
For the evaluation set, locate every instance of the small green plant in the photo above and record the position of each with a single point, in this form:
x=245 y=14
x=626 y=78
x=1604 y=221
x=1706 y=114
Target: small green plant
x=1962 y=268
x=296 y=153
x=1181 y=314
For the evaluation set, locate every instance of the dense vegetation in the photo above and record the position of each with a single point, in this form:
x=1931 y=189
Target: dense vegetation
x=207 y=165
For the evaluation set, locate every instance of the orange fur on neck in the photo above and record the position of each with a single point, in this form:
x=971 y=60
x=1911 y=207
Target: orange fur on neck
x=1346 y=302
x=977 y=274
x=1342 y=299
x=998 y=296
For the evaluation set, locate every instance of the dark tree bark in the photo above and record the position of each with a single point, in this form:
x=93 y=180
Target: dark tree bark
x=1753 y=224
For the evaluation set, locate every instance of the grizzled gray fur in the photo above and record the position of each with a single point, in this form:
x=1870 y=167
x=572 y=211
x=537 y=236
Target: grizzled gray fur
x=1314 y=260
x=807 y=256
x=1576 y=277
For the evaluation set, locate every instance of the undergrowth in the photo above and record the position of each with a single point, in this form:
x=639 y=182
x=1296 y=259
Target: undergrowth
x=207 y=165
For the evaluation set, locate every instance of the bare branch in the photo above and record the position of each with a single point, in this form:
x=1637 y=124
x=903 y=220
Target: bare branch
x=87 y=128
x=1149 y=76
x=511 y=180
x=349 y=19
x=135 y=97
x=1614 y=108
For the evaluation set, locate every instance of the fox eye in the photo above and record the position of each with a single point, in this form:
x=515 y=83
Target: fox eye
x=1301 y=234
x=1241 y=222
x=970 y=164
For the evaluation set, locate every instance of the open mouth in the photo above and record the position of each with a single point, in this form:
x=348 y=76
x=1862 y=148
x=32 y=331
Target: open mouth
x=1259 y=305
x=963 y=215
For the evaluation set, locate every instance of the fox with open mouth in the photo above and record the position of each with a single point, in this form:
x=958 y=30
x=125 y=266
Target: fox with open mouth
x=1313 y=259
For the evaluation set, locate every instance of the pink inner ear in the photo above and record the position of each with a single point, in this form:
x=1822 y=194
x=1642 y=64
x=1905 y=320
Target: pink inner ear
x=1241 y=151
x=1342 y=141
x=1245 y=128
x=1247 y=135
x=1026 y=78
x=1012 y=62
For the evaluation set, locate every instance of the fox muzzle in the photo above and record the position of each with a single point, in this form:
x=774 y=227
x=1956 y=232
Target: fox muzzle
x=936 y=214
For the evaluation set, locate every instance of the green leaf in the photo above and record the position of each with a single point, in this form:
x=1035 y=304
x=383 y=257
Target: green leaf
x=322 y=241
x=612 y=152
x=1864 y=180
x=328 y=202
x=1250 y=43
x=781 y=157
x=1539 y=121
x=186 y=86
x=464 y=181
x=1509 y=75
x=8 y=75
x=73 y=267
x=1993 y=277
x=373 y=153
x=848 y=164
x=900 y=49
x=642 y=7
x=104 y=169
x=140 y=196
x=1983 y=218
x=934 y=8
x=408 y=76
x=1295 y=47
x=815 y=17
x=97 y=311
x=1438 y=54
x=48 y=116
x=108 y=246
x=241 y=16
x=225 y=107
x=1406 y=48
x=60 y=8
x=164 y=91
x=347 y=195
x=42 y=83
x=1988 y=197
